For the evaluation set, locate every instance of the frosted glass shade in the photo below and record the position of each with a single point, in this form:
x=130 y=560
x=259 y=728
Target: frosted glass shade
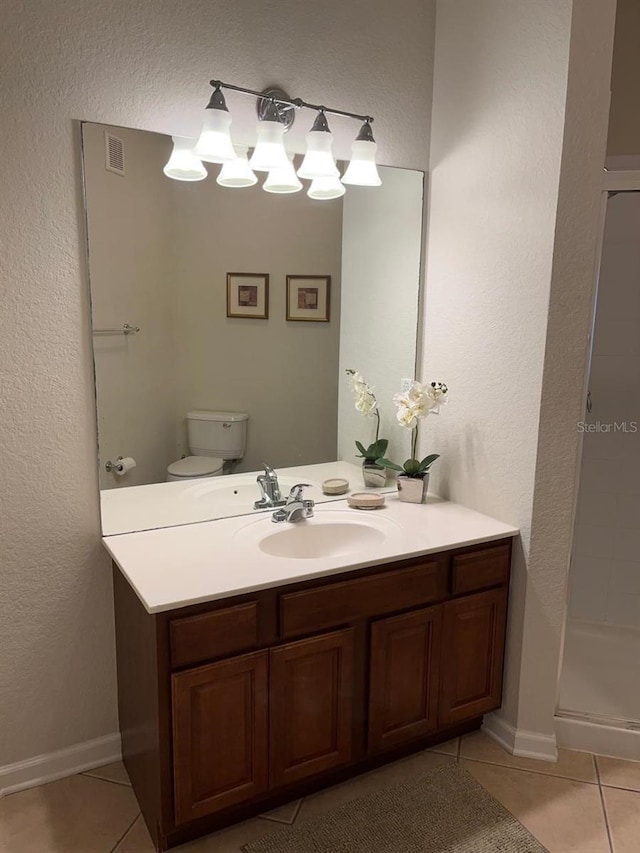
x=183 y=165
x=318 y=161
x=214 y=143
x=282 y=180
x=325 y=188
x=269 y=152
x=362 y=170
x=237 y=173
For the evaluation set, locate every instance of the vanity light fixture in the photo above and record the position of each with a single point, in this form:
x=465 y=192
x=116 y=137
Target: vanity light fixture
x=362 y=169
x=237 y=172
x=270 y=152
x=283 y=180
x=214 y=144
x=276 y=113
x=324 y=189
x=318 y=161
x=183 y=165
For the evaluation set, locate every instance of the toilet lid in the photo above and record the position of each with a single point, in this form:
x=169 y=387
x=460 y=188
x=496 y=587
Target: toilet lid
x=195 y=466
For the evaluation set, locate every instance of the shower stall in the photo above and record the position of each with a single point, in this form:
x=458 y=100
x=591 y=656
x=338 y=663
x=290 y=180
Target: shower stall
x=599 y=687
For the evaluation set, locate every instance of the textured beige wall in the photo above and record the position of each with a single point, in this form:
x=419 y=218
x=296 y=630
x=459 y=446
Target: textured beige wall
x=512 y=235
x=624 y=119
x=130 y=260
x=145 y=65
x=284 y=374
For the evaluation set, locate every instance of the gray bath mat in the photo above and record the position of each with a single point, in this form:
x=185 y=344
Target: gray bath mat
x=443 y=811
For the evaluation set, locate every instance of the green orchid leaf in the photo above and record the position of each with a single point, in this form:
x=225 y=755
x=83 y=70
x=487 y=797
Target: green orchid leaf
x=387 y=463
x=379 y=447
x=411 y=467
x=428 y=461
x=360 y=447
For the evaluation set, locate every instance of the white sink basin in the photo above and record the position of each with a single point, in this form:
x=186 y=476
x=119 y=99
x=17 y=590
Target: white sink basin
x=329 y=534
x=303 y=541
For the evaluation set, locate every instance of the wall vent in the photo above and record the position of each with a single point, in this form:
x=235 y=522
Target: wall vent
x=114 y=154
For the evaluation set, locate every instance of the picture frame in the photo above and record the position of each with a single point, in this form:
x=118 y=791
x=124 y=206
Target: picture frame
x=308 y=298
x=248 y=295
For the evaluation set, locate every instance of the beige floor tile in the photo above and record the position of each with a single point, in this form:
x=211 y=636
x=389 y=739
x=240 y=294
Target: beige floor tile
x=565 y=816
x=570 y=765
x=228 y=840
x=449 y=747
x=390 y=774
x=111 y=772
x=284 y=814
x=74 y=815
x=137 y=840
x=618 y=773
x=623 y=813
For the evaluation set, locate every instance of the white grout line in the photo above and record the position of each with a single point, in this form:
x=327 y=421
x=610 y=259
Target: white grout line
x=282 y=821
x=125 y=833
x=528 y=770
x=92 y=775
x=603 y=804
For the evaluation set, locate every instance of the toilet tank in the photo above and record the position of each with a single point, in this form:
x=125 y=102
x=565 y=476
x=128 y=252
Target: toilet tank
x=219 y=434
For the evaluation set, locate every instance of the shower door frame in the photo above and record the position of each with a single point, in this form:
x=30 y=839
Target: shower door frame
x=615 y=739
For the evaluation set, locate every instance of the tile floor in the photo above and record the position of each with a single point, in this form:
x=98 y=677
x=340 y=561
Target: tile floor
x=582 y=804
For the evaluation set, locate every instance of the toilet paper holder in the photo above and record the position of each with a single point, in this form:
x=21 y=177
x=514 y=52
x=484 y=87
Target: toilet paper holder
x=117 y=467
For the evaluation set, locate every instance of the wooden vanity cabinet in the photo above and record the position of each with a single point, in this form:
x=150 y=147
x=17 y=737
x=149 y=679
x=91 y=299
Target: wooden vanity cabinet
x=230 y=708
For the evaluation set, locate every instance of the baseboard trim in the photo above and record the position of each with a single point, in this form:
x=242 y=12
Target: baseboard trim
x=57 y=765
x=596 y=736
x=520 y=742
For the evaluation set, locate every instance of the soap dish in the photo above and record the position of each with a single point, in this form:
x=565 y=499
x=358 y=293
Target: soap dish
x=364 y=500
x=335 y=486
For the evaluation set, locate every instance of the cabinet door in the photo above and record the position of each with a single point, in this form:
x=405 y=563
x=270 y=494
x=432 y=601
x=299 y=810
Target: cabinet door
x=311 y=706
x=220 y=735
x=472 y=655
x=404 y=680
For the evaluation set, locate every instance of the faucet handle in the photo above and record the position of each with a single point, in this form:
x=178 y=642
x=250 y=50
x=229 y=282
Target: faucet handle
x=296 y=491
x=268 y=470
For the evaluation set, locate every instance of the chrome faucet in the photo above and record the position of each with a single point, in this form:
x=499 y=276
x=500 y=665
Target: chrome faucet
x=296 y=507
x=269 y=489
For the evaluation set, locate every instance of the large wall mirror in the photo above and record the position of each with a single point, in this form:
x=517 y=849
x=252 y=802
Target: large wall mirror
x=245 y=302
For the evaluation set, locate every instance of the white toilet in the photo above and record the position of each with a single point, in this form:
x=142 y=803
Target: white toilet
x=213 y=438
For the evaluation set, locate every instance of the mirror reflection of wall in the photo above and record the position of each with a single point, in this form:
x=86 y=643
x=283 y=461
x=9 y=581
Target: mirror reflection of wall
x=160 y=252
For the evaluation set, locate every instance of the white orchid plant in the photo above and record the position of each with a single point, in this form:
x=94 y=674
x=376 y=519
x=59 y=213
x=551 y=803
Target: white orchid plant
x=413 y=406
x=367 y=405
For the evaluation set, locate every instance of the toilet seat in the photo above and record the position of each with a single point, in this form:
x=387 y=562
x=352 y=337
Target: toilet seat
x=192 y=467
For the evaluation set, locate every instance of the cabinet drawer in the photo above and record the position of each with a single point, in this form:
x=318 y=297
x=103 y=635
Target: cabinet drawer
x=212 y=635
x=340 y=603
x=481 y=569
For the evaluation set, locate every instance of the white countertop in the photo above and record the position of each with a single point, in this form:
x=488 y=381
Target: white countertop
x=177 y=566
x=134 y=508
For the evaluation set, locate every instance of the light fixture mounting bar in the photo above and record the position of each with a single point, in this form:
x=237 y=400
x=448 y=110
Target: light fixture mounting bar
x=295 y=102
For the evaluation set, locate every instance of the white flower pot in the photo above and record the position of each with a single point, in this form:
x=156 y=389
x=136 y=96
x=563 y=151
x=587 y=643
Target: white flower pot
x=412 y=489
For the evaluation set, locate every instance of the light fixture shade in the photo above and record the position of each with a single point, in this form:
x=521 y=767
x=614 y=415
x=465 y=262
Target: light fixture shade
x=325 y=188
x=362 y=170
x=318 y=161
x=237 y=173
x=183 y=165
x=214 y=144
x=269 y=152
x=283 y=180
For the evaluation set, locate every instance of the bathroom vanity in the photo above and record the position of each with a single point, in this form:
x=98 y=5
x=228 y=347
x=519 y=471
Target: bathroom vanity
x=248 y=678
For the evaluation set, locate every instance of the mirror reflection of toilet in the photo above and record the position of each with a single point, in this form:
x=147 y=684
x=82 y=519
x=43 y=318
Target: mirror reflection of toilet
x=214 y=438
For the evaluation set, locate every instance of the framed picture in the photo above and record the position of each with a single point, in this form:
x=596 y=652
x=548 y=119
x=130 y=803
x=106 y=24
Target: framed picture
x=248 y=295
x=308 y=298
